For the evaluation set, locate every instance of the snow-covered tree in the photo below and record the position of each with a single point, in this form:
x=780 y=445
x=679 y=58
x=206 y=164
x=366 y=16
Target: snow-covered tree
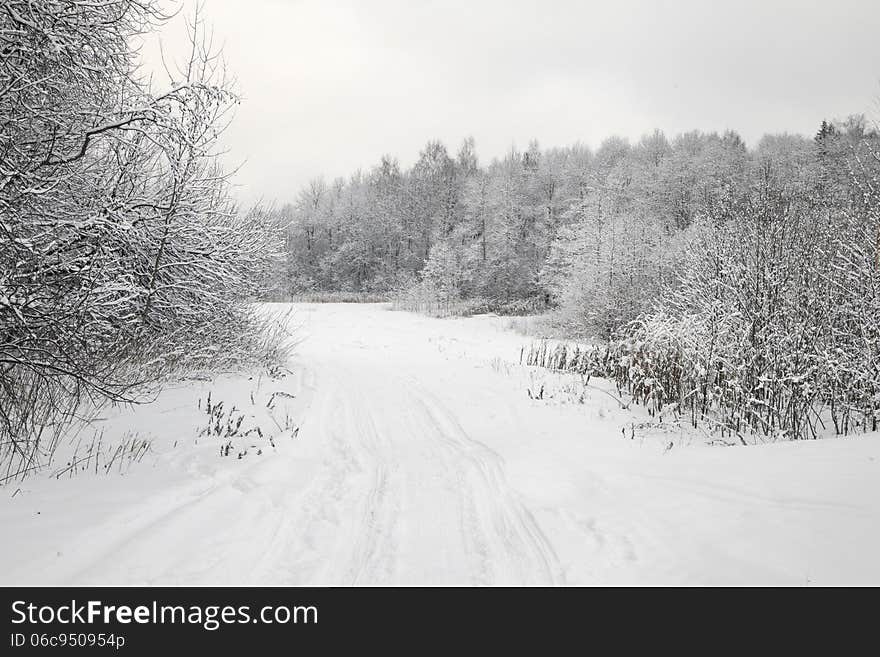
x=119 y=241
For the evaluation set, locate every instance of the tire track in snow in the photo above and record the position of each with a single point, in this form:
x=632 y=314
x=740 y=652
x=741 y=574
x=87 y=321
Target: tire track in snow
x=373 y=555
x=425 y=501
x=517 y=540
x=338 y=530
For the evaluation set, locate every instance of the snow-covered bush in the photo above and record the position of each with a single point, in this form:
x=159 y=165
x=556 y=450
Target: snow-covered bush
x=772 y=328
x=122 y=255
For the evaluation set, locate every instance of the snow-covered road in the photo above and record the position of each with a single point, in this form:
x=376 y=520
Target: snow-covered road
x=418 y=497
x=420 y=458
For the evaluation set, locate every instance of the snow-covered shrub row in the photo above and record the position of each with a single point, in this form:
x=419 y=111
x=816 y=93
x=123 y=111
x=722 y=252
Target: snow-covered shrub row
x=427 y=299
x=773 y=327
x=122 y=255
x=319 y=296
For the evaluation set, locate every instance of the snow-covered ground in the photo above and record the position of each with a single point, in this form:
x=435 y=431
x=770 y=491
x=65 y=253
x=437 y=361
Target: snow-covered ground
x=409 y=450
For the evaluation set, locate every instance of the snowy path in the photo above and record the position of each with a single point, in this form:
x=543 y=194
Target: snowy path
x=420 y=459
x=403 y=494
x=424 y=501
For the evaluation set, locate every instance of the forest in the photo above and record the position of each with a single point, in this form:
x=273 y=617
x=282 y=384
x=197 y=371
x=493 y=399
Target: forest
x=736 y=285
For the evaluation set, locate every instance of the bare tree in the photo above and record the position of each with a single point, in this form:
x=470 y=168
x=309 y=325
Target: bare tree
x=119 y=240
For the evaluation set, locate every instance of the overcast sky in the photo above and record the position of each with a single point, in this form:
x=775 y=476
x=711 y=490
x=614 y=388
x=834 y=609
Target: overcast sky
x=330 y=85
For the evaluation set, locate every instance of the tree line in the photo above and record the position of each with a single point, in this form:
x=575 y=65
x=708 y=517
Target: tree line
x=740 y=283
x=520 y=226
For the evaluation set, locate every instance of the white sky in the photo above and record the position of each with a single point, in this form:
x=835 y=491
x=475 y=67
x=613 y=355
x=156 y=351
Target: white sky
x=330 y=85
